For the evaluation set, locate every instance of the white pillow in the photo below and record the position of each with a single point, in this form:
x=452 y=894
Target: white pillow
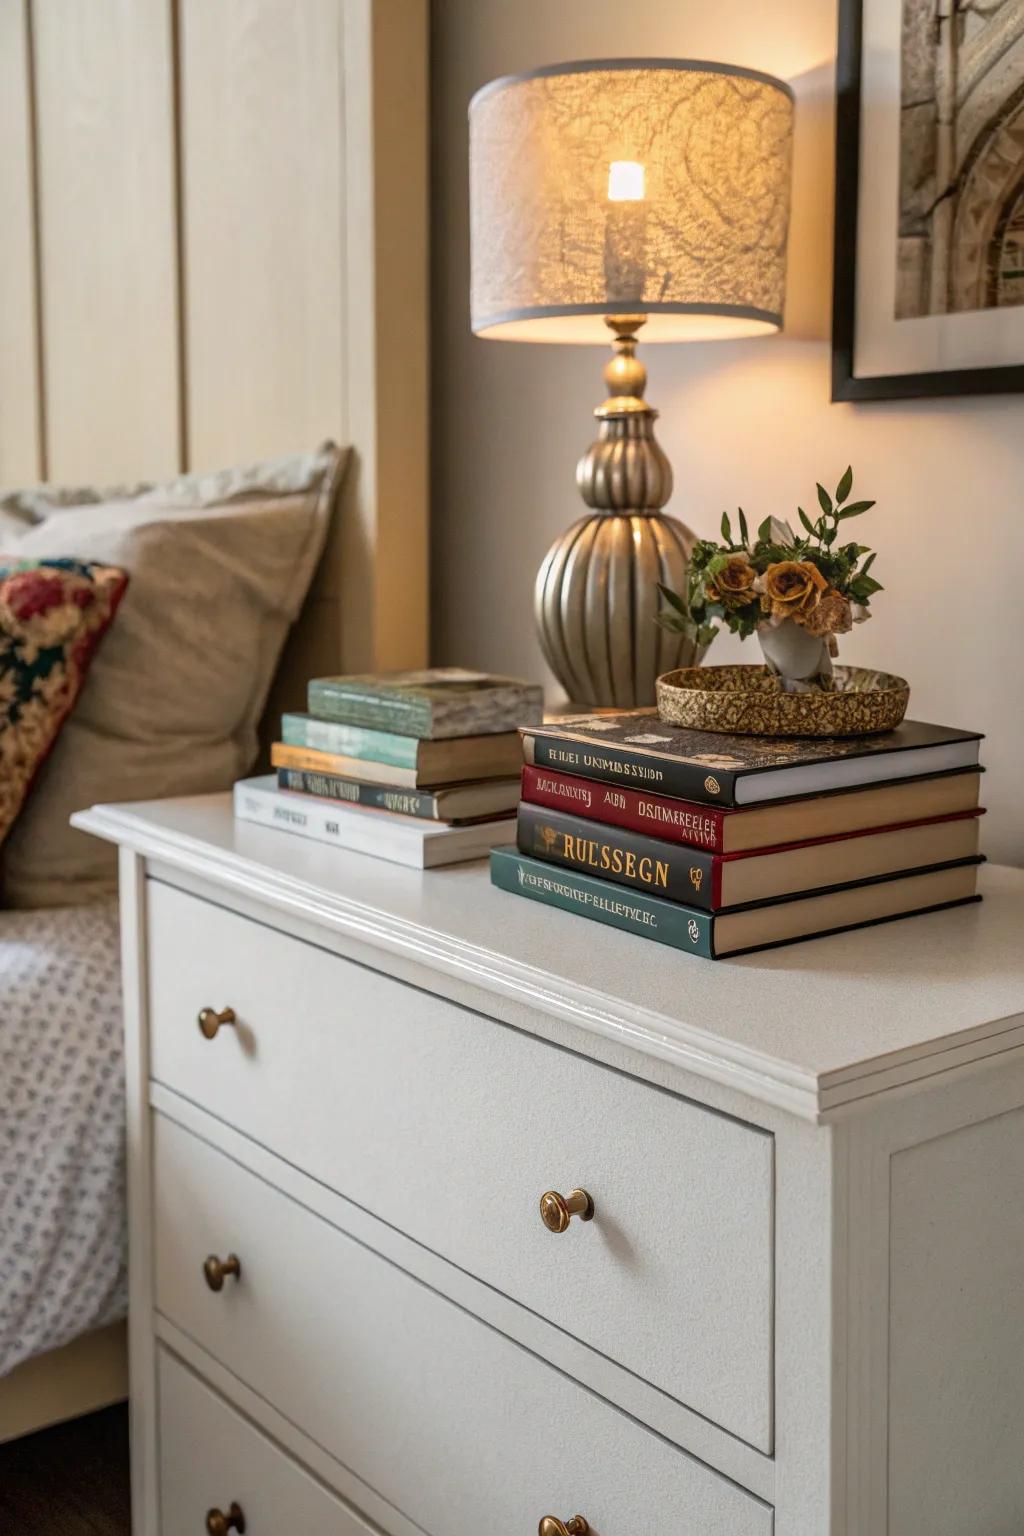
x=218 y=568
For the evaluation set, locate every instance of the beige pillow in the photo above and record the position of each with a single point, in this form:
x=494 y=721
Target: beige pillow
x=218 y=569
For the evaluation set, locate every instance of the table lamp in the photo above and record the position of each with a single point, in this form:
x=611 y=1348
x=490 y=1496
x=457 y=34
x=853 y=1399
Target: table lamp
x=607 y=196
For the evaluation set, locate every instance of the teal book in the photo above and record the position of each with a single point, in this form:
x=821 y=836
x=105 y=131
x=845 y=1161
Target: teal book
x=665 y=921
x=713 y=935
x=405 y=760
x=350 y=741
x=433 y=703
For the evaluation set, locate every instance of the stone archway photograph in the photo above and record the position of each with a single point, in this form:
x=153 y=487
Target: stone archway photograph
x=961 y=156
x=929 y=262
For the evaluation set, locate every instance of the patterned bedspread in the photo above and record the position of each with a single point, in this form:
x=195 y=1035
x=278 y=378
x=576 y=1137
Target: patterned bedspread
x=62 y=1211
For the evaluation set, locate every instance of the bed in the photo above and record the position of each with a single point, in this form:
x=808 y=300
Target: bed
x=234 y=266
x=62 y=1274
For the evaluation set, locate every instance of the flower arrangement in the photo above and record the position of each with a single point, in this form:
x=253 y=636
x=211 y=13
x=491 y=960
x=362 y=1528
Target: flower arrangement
x=809 y=588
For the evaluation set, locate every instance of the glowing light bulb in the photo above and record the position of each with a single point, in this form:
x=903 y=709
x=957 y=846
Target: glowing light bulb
x=625 y=181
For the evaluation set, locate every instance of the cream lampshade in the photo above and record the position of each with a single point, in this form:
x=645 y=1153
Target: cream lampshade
x=608 y=196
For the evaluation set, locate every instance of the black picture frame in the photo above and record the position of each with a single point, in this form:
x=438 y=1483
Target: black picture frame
x=846 y=385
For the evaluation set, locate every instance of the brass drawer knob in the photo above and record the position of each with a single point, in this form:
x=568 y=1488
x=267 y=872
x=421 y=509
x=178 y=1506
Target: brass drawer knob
x=556 y=1211
x=576 y=1526
x=210 y=1020
x=219 y=1524
x=216 y=1271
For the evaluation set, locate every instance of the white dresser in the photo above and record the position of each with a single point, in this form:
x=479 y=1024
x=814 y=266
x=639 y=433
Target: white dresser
x=788 y=1296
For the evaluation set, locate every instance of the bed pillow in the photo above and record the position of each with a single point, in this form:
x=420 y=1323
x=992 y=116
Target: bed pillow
x=219 y=566
x=53 y=615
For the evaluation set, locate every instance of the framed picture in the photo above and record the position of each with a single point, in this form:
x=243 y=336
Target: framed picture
x=929 y=217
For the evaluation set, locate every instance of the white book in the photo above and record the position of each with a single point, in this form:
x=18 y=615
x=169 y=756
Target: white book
x=400 y=839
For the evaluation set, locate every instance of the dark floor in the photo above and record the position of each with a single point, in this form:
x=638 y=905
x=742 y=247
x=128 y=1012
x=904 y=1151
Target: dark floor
x=71 y=1480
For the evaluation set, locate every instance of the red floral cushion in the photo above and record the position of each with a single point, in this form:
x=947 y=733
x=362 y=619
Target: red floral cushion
x=53 y=615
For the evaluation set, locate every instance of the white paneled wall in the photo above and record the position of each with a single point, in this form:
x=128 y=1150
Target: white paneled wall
x=214 y=212
x=20 y=429
x=262 y=168
x=107 y=249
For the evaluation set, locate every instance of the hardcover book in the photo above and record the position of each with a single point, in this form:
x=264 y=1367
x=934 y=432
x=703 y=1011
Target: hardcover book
x=432 y=703
x=722 y=829
x=714 y=881
x=457 y=803
x=450 y=761
x=399 y=839
x=716 y=935
x=638 y=749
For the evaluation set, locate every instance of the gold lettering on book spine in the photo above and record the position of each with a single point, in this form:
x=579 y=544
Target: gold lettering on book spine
x=606 y=856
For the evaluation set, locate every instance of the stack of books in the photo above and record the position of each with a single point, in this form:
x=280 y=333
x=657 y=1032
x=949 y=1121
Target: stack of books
x=723 y=844
x=421 y=768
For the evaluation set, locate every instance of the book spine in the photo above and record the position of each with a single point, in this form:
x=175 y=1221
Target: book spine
x=678 y=821
x=378 y=797
x=394 y=713
x=612 y=765
x=627 y=858
x=268 y=809
x=664 y=921
x=350 y=741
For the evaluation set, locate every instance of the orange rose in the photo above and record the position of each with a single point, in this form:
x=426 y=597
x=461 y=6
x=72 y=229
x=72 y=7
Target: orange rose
x=733 y=585
x=832 y=616
x=791 y=589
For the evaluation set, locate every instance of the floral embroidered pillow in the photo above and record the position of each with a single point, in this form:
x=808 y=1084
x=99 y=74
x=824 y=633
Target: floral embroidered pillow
x=53 y=615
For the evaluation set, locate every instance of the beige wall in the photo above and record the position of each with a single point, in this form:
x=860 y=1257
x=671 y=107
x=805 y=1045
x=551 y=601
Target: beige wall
x=744 y=422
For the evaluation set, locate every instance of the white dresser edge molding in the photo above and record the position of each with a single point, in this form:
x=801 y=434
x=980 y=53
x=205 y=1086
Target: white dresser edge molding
x=818 y=1096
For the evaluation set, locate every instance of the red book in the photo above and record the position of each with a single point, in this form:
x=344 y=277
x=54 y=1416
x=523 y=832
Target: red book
x=769 y=825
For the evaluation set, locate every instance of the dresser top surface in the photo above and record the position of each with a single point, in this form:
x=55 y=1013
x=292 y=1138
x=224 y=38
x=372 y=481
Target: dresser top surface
x=808 y=1027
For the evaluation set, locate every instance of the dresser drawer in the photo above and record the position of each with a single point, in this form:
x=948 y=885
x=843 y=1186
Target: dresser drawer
x=211 y=1458
x=450 y=1127
x=457 y=1426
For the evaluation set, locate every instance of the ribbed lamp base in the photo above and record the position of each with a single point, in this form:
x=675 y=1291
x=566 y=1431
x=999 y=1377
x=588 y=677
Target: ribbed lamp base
x=596 y=600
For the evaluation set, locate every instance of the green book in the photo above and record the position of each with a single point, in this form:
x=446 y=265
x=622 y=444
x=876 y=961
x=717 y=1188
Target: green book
x=349 y=740
x=432 y=703
x=665 y=921
x=407 y=762
x=759 y=926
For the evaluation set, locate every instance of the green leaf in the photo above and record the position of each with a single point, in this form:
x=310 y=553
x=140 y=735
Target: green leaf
x=863 y=586
x=744 y=535
x=845 y=485
x=855 y=509
x=674 y=600
x=824 y=500
x=726 y=528
x=706 y=634
x=807 y=522
x=764 y=532
x=867 y=563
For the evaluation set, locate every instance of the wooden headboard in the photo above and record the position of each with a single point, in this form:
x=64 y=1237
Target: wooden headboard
x=215 y=250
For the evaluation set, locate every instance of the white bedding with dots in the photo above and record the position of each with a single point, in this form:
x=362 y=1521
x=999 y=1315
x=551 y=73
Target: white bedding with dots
x=62 y=1207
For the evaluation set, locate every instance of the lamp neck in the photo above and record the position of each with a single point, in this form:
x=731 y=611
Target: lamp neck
x=625 y=470
x=625 y=375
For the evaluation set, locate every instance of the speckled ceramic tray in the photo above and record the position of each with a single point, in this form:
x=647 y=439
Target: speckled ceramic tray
x=749 y=701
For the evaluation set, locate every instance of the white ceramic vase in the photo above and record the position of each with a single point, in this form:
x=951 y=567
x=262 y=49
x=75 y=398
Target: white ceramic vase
x=800 y=660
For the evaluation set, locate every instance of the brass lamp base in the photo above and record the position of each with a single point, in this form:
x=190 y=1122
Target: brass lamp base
x=596 y=597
